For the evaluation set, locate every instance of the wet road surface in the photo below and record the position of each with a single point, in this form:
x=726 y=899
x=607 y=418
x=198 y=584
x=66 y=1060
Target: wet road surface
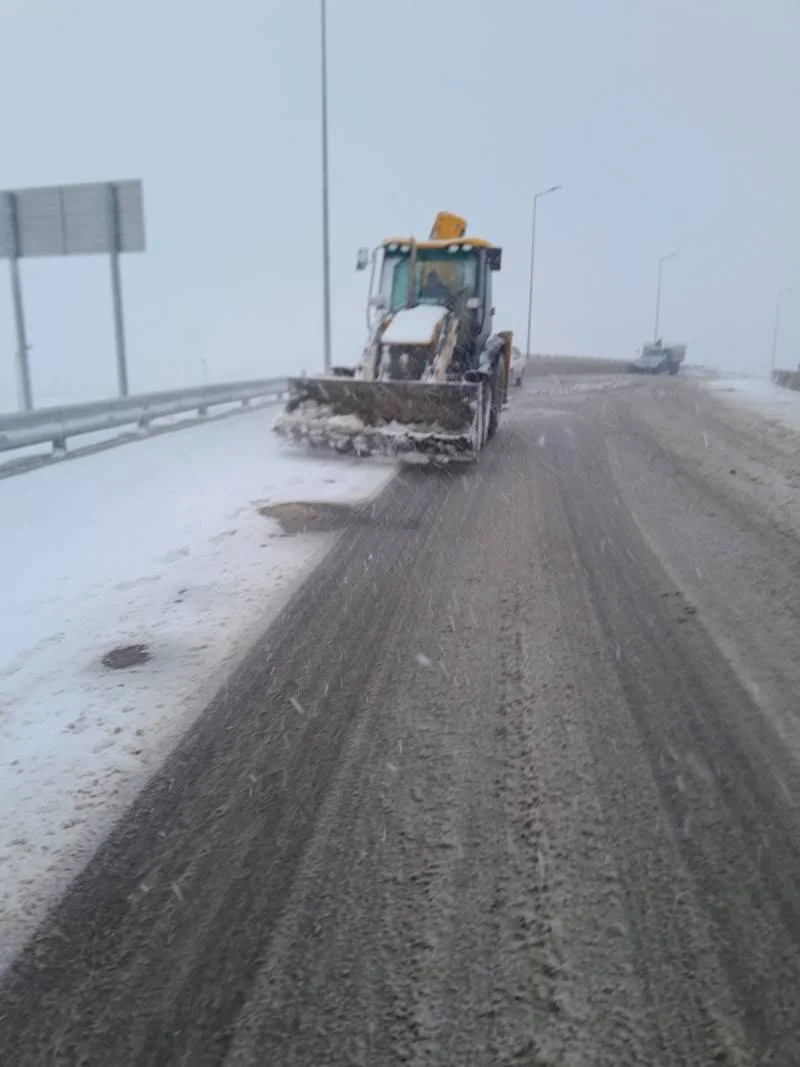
x=513 y=780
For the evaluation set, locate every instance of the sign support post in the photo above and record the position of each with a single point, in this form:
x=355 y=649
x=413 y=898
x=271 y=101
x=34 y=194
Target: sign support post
x=116 y=290
x=24 y=391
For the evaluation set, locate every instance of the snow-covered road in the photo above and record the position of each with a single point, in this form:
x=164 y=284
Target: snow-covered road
x=515 y=781
x=159 y=543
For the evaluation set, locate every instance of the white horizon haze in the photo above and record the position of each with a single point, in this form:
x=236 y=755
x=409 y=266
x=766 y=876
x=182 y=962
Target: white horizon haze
x=668 y=124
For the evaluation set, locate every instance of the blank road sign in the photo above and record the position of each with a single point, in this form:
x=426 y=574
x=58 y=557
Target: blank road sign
x=72 y=220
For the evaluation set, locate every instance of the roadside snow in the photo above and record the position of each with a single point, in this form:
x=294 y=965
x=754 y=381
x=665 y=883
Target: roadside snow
x=761 y=397
x=158 y=542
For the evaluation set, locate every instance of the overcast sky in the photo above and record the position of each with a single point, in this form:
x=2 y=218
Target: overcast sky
x=672 y=125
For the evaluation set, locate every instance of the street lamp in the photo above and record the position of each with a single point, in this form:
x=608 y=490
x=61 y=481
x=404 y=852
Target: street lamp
x=326 y=246
x=776 y=325
x=661 y=263
x=544 y=192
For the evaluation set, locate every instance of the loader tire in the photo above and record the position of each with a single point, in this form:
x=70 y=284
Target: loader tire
x=494 y=409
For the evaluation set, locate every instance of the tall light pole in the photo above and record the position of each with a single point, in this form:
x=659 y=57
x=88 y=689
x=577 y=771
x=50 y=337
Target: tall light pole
x=661 y=263
x=777 y=324
x=544 y=192
x=326 y=244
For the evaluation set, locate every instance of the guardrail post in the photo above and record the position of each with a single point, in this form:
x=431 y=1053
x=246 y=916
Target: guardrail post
x=246 y=402
x=59 y=447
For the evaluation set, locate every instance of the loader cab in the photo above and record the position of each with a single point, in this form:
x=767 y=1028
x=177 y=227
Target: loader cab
x=454 y=274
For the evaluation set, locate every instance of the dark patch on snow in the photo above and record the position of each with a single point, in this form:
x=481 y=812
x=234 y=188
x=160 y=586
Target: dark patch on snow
x=124 y=656
x=298 y=517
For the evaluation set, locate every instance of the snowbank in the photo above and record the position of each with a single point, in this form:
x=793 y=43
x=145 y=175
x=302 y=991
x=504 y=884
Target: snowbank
x=315 y=424
x=160 y=543
x=761 y=397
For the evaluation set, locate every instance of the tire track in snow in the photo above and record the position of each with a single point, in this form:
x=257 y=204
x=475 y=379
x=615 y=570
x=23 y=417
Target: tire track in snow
x=515 y=822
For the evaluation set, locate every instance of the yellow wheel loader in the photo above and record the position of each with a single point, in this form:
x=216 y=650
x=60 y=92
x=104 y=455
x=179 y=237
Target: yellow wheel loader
x=433 y=378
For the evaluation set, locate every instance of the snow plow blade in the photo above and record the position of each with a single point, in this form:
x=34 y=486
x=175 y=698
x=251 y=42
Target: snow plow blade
x=365 y=418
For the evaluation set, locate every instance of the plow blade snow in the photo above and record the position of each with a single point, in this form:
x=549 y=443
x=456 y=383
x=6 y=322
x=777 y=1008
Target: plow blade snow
x=386 y=418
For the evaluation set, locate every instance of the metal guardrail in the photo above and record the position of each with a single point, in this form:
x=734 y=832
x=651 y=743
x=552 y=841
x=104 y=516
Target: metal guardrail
x=56 y=425
x=555 y=364
x=560 y=357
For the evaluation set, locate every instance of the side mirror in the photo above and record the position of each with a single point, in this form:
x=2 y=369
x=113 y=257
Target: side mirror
x=362 y=261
